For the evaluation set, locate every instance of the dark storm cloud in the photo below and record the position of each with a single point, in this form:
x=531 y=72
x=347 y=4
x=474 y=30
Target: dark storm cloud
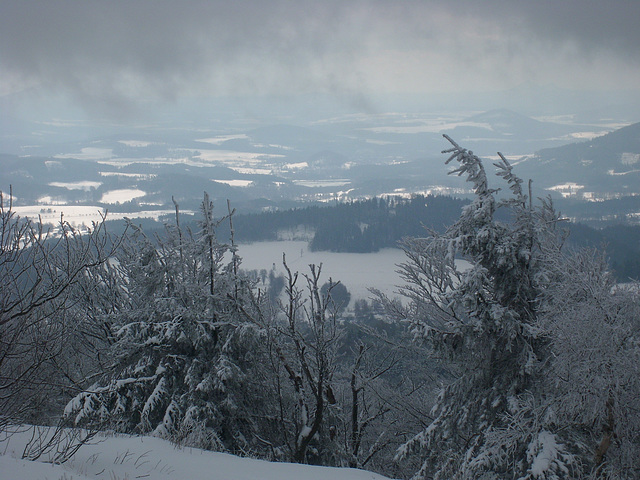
x=593 y=25
x=114 y=51
x=112 y=55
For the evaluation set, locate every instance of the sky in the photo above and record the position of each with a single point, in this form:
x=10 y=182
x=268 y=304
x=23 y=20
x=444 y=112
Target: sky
x=112 y=58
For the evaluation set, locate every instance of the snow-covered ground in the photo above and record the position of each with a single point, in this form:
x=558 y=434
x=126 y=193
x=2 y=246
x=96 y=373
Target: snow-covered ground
x=134 y=176
x=136 y=143
x=85 y=185
x=220 y=139
x=126 y=457
x=232 y=158
x=83 y=215
x=76 y=215
x=235 y=183
x=122 y=195
x=322 y=183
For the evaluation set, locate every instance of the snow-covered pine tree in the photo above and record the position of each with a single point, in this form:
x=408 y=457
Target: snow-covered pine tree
x=594 y=325
x=181 y=350
x=485 y=321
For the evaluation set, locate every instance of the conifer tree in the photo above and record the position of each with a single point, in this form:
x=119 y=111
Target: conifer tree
x=594 y=381
x=181 y=351
x=485 y=321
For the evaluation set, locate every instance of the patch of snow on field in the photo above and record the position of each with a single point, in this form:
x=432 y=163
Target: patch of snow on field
x=242 y=162
x=129 y=457
x=136 y=176
x=567 y=190
x=295 y=166
x=152 y=214
x=220 y=139
x=628 y=158
x=323 y=183
x=434 y=190
x=52 y=164
x=586 y=135
x=252 y=171
x=135 y=143
x=85 y=185
x=79 y=215
x=235 y=183
x=76 y=215
x=613 y=173
x=233 y=157
x=272 y=145
x=122 y=195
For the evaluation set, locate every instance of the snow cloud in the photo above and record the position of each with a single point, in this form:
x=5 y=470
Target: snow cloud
x=113 y=56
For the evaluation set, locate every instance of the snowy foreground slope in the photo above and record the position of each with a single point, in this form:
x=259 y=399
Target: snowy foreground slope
x=125 y=457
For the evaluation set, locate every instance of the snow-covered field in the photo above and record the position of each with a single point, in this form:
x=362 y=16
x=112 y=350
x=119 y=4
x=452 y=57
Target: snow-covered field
x=122 y=195
x=83 y=215
x=76 y=215
x=135 y=176
x=125 y=457
x=232 y=157
x=235 y=183
x=220 y=139
x=322 y=183
x=136 y=143
x=85 y=185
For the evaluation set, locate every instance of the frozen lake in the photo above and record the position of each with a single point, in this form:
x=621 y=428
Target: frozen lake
x=357 y=271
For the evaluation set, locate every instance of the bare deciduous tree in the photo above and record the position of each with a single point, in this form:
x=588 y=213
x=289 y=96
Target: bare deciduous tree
x=38 y=271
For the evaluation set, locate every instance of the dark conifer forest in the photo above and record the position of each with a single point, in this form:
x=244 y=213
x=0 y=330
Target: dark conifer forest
x=369 y=225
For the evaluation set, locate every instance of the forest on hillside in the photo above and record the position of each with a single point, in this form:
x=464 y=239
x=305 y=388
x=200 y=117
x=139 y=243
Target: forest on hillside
x=368 y=225
x=524 y=365
x=356 y=226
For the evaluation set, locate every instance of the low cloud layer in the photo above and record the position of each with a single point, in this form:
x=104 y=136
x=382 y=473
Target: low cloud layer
x=112 y=56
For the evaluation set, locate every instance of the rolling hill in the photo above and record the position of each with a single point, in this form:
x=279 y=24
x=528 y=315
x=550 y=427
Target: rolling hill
x=603 y=168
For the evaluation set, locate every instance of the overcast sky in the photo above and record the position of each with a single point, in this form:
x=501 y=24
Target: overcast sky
x=103 y=56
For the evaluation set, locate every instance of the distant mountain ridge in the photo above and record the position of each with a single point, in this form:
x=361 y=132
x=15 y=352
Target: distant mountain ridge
x=606 y=147
x=607 y=166
x=332 y=159
x=509 y=125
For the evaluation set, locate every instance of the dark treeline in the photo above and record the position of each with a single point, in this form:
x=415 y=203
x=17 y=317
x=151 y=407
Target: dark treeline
x=600 y=214
x=378 y=223
x=621 y=244
x=368 y=225
x=357 y=226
